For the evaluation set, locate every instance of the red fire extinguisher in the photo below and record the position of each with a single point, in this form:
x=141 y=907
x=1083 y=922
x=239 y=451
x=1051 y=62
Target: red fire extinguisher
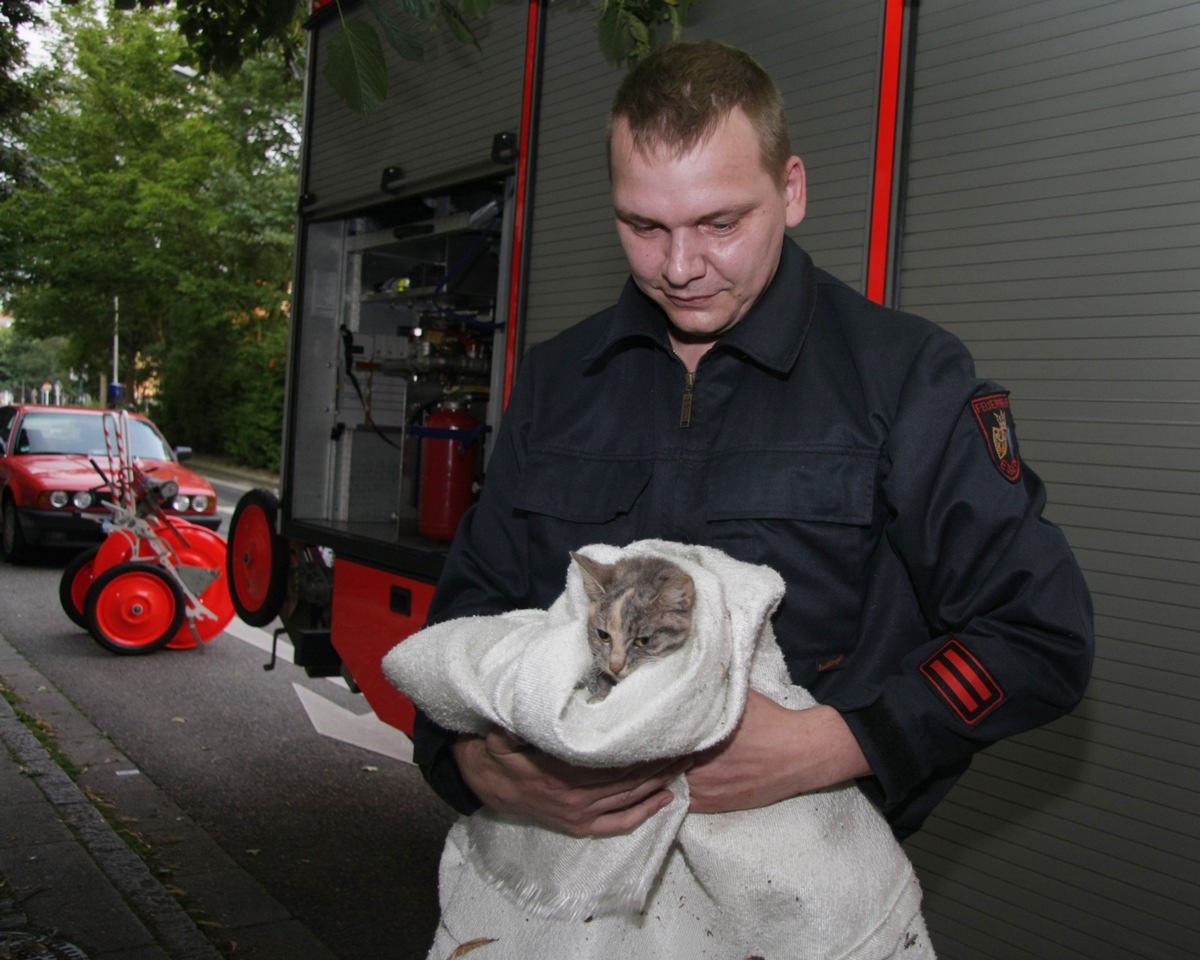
x=449 y=448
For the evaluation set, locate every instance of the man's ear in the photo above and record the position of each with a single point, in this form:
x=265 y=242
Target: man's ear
x=795 y=192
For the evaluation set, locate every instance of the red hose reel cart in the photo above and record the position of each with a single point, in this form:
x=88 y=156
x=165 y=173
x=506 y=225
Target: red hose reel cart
x=155 y=581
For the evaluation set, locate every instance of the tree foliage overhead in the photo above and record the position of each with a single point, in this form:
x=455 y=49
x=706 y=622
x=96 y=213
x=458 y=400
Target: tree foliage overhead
x=167 y=198
x=17 y=95
x=222 y=34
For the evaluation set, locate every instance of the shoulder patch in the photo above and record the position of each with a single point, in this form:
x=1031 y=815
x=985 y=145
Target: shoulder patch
x=963 y=682
x=995 y=420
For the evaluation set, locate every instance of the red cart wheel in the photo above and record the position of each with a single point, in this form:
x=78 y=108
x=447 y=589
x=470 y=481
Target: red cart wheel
x=257 y=560
x=134 y=608
x=76 y=579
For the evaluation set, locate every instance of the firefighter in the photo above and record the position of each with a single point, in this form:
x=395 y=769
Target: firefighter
x=738 y=396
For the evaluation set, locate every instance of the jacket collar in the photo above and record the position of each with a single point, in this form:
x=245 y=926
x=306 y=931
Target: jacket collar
x=771 y=333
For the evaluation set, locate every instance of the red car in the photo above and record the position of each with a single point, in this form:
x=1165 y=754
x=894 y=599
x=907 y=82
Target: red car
x=50 y=485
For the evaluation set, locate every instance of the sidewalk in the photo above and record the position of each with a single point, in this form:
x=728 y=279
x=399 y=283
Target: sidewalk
x=72 y=888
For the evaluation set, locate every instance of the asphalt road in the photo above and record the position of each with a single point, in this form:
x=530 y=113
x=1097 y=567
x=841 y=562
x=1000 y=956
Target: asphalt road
x=344 y=838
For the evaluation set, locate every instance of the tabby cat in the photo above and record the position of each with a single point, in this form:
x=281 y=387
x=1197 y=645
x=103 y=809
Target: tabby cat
x=640 y=609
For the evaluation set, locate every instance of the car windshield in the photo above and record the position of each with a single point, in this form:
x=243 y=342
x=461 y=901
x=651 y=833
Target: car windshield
x=83 y=433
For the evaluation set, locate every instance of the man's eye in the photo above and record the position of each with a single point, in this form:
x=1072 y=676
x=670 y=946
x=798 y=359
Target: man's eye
x=723 y=226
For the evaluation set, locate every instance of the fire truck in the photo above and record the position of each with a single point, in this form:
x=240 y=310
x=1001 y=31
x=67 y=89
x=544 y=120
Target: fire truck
x=469 y=217
x=1022 y=173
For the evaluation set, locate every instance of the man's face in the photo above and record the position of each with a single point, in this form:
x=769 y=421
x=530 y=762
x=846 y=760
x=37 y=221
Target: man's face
x=703 y=232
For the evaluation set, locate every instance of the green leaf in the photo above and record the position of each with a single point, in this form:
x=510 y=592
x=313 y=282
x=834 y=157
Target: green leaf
x=614 y=35
x=355 y=68
x=640 y=33
x=458 y=26
x=397 y=33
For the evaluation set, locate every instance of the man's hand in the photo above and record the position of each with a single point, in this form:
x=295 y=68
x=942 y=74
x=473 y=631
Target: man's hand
x=775 y=753
x=510 y=776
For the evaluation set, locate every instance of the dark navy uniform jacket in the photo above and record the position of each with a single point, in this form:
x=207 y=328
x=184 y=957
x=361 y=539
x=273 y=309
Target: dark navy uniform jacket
x=848 y=446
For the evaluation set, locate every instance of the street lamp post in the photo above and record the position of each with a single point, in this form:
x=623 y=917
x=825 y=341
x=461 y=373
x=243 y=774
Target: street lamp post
x=114 y=388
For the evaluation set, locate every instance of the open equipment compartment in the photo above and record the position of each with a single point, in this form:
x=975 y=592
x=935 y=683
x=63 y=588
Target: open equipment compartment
x=404 y=316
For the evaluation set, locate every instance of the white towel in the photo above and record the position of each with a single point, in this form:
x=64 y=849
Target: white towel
x=822 y=870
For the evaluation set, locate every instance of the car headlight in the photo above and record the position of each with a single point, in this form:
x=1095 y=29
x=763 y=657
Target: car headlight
x=59 y=499
x=180 y=503
x=200 y=503
x=83 y=499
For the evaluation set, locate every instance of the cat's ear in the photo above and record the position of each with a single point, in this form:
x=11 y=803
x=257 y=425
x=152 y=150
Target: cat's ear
x=678 y=593
x=595 y=575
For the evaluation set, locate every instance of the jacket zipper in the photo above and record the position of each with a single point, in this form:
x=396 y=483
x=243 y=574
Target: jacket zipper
x=685 y=412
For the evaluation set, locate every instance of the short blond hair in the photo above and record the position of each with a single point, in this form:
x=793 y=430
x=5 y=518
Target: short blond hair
x=676 y=97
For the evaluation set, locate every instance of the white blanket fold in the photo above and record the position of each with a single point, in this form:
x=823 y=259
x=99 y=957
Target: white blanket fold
x=821 y=869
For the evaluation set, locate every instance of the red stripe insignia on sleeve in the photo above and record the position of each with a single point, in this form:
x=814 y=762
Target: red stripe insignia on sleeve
x=962 y=681
x=995 y=420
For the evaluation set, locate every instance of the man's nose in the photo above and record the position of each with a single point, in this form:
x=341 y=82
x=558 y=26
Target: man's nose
x=685 y=259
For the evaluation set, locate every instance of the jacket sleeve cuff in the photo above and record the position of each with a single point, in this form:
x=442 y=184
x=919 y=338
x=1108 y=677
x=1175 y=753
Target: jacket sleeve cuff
x=432 y=754
x=896 y=766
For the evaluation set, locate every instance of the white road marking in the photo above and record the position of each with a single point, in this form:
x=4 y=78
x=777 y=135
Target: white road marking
x=328 y=718
x=363 y=730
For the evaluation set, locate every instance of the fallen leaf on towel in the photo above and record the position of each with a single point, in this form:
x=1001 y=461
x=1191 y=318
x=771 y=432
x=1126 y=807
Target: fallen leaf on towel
x=464 y=948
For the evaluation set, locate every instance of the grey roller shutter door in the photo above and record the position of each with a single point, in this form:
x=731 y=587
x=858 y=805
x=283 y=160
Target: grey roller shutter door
x=435 y=126
x=1053 y=222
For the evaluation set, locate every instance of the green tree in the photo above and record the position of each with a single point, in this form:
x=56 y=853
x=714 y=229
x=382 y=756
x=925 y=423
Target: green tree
x=26 y=364
x=172 y=195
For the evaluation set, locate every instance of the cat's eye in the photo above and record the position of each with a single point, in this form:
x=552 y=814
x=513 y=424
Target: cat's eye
x=641 y=641
x=603 y=635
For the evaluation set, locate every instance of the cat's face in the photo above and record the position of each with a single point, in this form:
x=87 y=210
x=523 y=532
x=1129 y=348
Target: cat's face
x=640 y=609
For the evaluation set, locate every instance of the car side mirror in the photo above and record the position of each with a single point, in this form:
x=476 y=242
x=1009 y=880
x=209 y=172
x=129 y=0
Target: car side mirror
x=183 y=453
